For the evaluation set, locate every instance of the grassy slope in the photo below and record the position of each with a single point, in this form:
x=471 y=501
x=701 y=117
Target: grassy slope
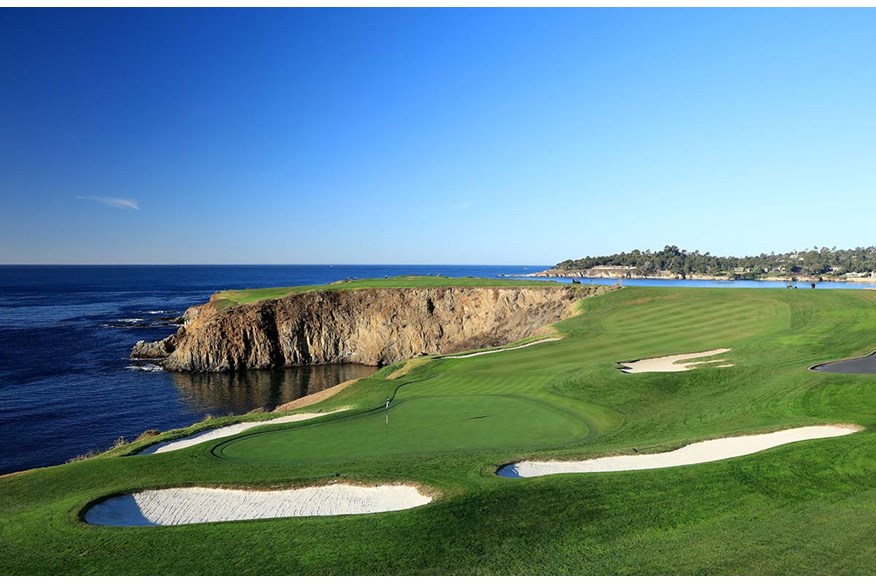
x=804 y=508
x=232 y=297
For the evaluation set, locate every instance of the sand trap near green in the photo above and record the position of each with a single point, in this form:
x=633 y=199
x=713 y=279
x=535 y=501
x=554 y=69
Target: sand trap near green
x=697 y=453
x=858 y=365
x=800 y=508
x=203 y=505
x=415 y=425
x=674 y=363
x=225 y=431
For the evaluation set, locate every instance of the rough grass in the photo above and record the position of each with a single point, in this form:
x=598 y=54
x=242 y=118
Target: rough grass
x=804 y=508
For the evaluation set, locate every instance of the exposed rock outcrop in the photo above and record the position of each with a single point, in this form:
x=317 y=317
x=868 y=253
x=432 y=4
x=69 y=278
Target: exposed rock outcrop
x=153 y=350
x=368 y=326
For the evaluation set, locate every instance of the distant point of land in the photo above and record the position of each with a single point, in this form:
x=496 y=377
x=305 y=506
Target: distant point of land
x=851 y=265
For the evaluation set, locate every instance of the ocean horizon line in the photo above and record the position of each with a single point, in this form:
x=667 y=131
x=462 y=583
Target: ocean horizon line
x=47 y=265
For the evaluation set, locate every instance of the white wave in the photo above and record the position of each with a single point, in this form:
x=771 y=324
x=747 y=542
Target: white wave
x=147 y=367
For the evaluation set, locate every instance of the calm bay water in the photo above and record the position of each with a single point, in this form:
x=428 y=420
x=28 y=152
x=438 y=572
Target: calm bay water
x=67 y=386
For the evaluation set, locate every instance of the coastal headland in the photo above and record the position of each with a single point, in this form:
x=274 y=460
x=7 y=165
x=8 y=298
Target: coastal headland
x=764 y=467
x=672 y=263
x=629 y=273
x=375 y=323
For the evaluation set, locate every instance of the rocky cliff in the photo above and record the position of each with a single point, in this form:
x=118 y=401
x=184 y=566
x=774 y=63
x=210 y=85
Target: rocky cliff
x=368 y=326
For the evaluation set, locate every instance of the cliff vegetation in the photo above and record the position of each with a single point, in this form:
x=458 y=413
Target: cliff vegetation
x=825 y=263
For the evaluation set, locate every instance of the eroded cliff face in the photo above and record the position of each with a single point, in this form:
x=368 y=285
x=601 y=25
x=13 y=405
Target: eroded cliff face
x=370 y=326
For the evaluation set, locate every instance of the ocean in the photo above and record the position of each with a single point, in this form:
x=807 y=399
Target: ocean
x=67 y=386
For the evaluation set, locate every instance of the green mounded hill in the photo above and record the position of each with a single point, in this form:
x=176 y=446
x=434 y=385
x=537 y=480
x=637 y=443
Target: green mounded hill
x=804 y=508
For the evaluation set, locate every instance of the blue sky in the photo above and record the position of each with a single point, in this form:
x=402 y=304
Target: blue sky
x=432 y=136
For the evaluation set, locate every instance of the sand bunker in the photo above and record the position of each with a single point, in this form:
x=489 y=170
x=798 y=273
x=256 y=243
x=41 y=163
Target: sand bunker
x=203 y=505
x=314 y=398
x=865 y=365
x=225 y=431
x=697 y=453
x=672 y=363
x=502 y=350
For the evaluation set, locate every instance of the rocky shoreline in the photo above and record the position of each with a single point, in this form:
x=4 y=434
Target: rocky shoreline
x=367 y=326
x=624 y=273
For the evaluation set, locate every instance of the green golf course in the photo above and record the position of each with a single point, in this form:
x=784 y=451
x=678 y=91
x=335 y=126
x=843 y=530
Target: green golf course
x=802 y=508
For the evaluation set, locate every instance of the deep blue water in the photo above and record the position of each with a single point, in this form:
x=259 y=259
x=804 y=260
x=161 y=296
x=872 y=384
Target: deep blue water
x=67 y=386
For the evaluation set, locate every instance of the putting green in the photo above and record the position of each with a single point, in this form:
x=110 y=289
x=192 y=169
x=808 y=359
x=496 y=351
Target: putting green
x=803 y=508
x=415 y=426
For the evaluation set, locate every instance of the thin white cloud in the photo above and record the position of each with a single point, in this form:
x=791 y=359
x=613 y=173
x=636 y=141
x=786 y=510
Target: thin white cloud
x=114 y=202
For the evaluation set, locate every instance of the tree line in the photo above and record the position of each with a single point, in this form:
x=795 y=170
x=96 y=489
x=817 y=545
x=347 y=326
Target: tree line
x=860 y=261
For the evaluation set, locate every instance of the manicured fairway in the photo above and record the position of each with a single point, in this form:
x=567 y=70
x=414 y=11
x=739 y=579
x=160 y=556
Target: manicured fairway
x=802 y=508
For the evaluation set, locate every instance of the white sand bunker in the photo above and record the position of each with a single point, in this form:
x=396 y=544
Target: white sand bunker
x=225 y=431
x=478 y=354
x=699 y=452
x=672 y=363
x=202 y=505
